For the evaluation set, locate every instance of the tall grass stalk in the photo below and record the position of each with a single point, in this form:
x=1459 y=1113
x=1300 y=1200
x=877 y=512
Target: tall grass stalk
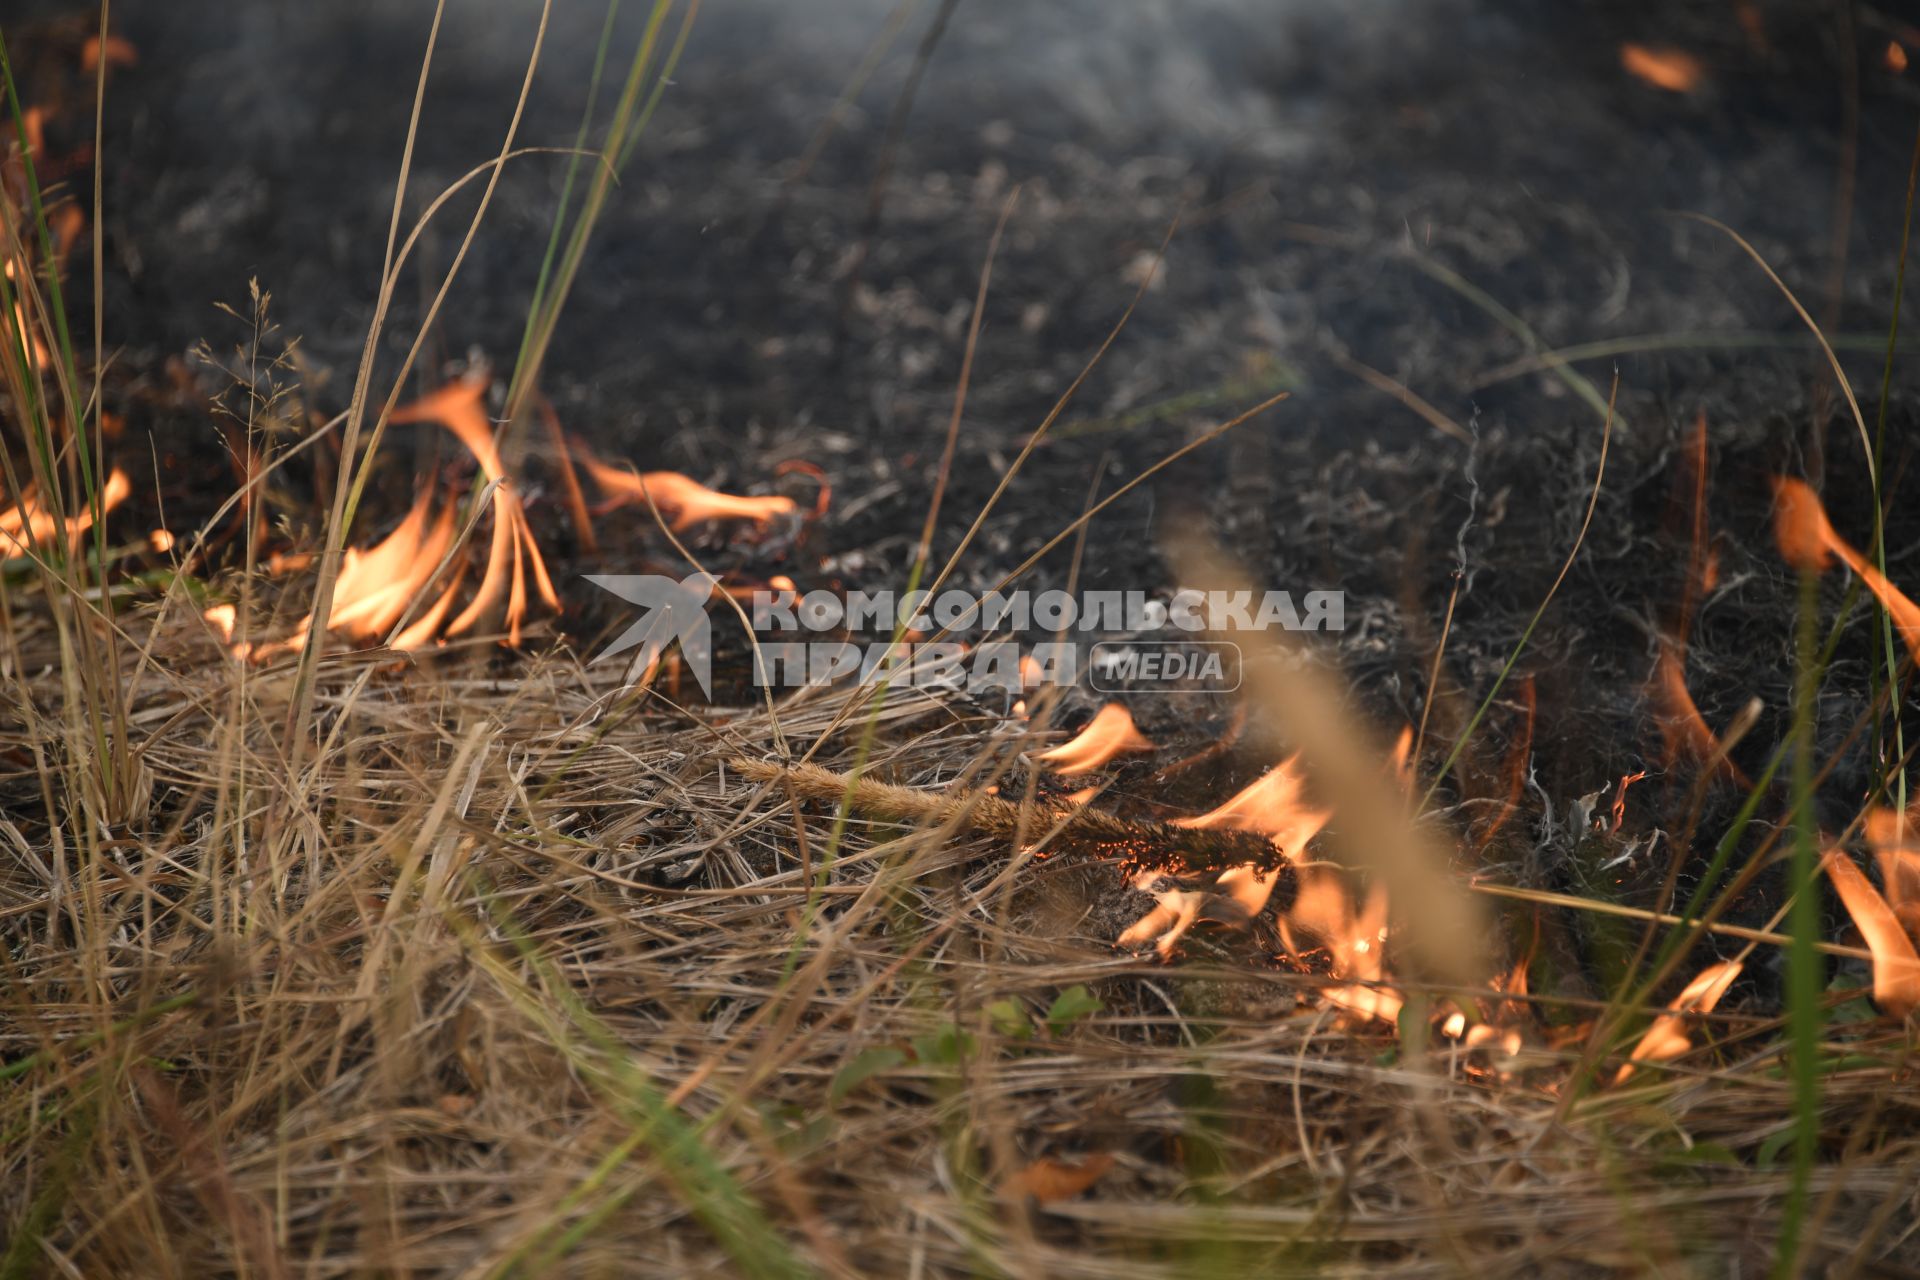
x=1804 y=1013
x=1881 y=500
x=567 y=242
x=40 y=374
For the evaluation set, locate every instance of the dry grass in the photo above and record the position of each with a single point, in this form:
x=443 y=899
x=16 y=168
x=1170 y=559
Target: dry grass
x=521 y=980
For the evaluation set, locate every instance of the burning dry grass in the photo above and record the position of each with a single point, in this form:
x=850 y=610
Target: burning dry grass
x=426 y=959
x=524 y=977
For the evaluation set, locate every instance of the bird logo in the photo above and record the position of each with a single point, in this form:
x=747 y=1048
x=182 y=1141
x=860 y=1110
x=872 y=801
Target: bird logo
x=670 y=611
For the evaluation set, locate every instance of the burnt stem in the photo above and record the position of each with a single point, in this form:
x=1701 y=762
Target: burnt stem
x=1152 y=846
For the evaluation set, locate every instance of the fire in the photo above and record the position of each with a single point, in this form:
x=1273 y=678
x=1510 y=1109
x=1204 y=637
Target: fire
x=1896 y=57
x=1896 y=967
x=1498 y=1031
x=1355 y=939
x=1808 y=542
x=63 y=216
x=119 y=53
x=376 y=586
x=513 y=556
x=1401 y=762
x=1274 y=806
x=1667 y=1038
x=222 y=617
x=1110 y=733
x=1664 y=68
x=1683 y=730
x=683 y=501
x=1619 y=812
x=38 y=357
x=28 y=523
x=1892 y=836
x=1800 y=527
x=1515 y=767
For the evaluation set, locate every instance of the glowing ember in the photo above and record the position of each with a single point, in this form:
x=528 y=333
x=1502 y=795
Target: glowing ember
x=1667 y=1038
x=1497 y=1031
x=1896 y=967
x=513 y=556
x=1669 y=69
x=1808 y=542
x=1896 y=57
x=27 y=523
x=1620 y=800
x=682 y=501
x=1110 y=733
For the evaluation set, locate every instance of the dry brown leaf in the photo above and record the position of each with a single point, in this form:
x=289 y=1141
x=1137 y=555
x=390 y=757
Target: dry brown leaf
x=1047 y=1180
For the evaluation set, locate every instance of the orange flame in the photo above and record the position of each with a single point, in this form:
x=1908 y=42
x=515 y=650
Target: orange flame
x=1895 y=840
x=1516 y=765
x=1354 y=939
x=1808 y=542
x=1683 y=730
x=1620 y=800
x=1110 y=733
x=120 y=53
x=28 y=523
x=683 y=501
x=1498 y=1031
x=1800 y=527
x=1401 y=762
x=1896 y=967
x=1667 y=1038
x=222 y=617
x=1274 y=806
x=1663 y=68
x=514 y=555
x=376 y=586
x=38 y=357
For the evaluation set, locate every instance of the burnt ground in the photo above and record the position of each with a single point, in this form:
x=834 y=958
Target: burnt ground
x=737 y=313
